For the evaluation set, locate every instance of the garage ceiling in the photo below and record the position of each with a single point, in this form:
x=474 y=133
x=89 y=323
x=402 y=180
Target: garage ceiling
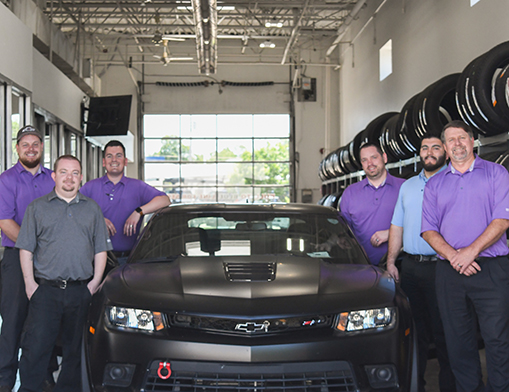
x=160 y=32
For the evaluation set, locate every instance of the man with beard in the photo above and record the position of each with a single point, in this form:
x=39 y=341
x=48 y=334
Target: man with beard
x=419 y=261
x=123 y=200
x=368 y=205
x=63 y=242
x=465 y=215
x=19 y=186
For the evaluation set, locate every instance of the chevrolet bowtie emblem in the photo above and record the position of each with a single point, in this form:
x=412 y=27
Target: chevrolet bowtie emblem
x=251 y=327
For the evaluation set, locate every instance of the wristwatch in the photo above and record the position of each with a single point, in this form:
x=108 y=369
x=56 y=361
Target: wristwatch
x=139 y=211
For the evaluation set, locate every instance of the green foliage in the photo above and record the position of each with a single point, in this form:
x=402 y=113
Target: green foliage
x=170 y=150
x=270 y=166
x=269 y=170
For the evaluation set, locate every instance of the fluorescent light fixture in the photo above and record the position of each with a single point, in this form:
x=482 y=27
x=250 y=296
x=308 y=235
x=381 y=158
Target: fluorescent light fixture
x=268 y=44
x=274 y=24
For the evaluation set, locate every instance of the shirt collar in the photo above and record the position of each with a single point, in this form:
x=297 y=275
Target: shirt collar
x=108 y=181
x=388 y=180
x=454 y=171
x=423 y=177
x=20 y=168
x=79 y=197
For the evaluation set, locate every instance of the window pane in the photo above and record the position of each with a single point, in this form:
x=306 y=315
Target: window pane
x=235 y=125
x=272 y=173
x=176 y=195
x=203 y=125
x=199 y=195
x=271 y=195
x=162 y=149
x=234 y=194
x=271 y=150
x=47 y=147
x=161 y=125
x=234 y=149
x=271 y=125
x=15 y=119
x=198 y=174
x=160 y=174
x=185 y=125
x=235 y=173
x=199 y=150
x=212 y=165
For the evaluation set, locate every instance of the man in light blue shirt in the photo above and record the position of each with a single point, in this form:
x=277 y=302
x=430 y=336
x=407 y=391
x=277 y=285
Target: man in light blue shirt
x=419 y=261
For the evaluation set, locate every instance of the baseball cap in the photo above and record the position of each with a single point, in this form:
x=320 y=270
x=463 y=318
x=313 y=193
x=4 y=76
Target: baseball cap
x=28 y=130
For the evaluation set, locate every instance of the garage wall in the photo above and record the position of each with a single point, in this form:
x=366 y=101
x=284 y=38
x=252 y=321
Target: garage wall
x=24 y=66
x=314 y=120
x=430 y=39
x=55 y=92
x=15 y=51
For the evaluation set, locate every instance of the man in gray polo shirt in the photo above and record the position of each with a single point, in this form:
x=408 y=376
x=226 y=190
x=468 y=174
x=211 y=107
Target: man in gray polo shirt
x=63 y=242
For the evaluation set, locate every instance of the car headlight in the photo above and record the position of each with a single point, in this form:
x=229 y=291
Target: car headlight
x=370 y=319
x=136 y=319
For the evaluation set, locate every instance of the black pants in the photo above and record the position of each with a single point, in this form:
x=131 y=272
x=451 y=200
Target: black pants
x=459 y=298
x=53 y=311
x=418 y=283
x=13 y=308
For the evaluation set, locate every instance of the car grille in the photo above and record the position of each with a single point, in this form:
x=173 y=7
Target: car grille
x=209 y=377
x=252 y=272
x=251 y=327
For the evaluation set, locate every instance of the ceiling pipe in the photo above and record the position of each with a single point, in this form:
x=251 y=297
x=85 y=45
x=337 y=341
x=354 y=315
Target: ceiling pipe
x=294 y=32
x=342 y=29
x=205 y=21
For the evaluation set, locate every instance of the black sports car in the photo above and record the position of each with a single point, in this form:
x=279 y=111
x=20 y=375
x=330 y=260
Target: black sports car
x=248 y=298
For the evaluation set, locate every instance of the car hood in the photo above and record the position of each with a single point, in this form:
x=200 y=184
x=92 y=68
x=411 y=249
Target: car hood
x=205 y=280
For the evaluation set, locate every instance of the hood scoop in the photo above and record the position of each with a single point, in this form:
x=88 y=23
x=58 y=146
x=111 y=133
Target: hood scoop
x=250 y=272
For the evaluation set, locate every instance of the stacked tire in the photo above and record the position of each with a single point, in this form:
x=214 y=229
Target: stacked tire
x=482 y=92
x=479 y=96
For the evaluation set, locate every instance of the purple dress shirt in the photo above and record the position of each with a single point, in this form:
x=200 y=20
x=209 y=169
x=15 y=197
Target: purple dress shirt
x=368 y=209
x=460 y=206
x=118 y=201
x=18 y=188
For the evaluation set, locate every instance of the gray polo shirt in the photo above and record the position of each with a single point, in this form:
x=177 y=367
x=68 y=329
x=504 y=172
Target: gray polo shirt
x=64 y=237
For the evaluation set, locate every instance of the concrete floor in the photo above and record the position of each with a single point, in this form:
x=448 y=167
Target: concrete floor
x=432 y=370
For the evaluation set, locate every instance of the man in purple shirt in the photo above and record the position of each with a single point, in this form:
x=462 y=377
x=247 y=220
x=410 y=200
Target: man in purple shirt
x=123 y=200
x=368 y=205
x=19 y=186
x=465 y=217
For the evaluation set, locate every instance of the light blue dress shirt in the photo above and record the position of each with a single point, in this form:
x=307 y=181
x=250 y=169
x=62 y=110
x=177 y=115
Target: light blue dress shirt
x=408 y=214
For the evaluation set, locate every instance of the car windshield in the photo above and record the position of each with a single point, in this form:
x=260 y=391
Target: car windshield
x=172 y=235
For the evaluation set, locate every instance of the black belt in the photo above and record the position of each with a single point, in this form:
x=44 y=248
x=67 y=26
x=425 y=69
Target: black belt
x=421 y=258
x=61 y=283
x=122 y=254
x=485 y=259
